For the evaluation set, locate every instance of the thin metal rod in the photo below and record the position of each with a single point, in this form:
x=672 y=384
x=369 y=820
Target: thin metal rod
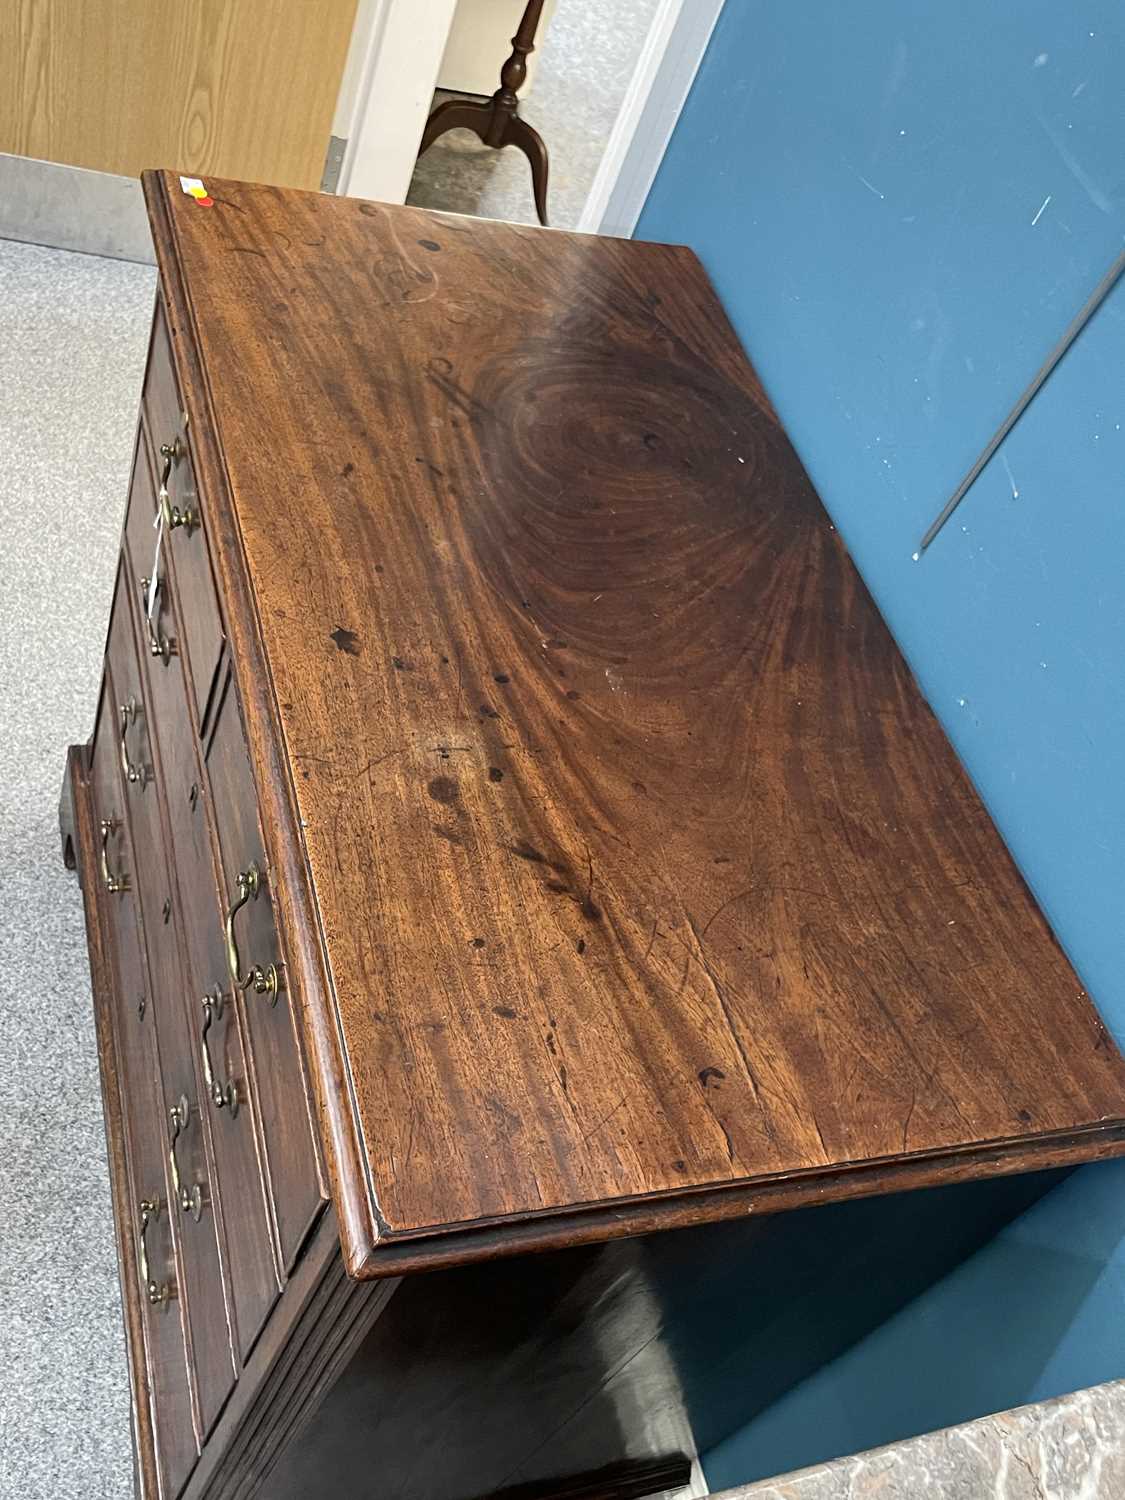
x=1089 y=308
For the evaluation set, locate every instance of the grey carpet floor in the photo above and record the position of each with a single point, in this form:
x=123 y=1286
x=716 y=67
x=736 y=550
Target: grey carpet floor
x=588 y=51
x=72 y=342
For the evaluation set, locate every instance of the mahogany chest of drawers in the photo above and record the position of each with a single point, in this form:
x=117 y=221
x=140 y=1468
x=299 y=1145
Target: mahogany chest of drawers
x=509 y=832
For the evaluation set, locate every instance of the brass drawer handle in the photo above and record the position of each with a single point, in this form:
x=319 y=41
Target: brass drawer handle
x=113 y=883
x=158 y=645
x=173 y=516
x=133 y=774
x=222 y=1096
x=264 y=981
x=160 y=1293
x=189 y=1199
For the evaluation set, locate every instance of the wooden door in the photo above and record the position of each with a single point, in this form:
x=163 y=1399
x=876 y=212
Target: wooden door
x=235 y=88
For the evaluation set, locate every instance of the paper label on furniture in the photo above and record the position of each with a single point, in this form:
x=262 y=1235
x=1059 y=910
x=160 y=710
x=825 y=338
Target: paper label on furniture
x=154 y=579
x=194 y=188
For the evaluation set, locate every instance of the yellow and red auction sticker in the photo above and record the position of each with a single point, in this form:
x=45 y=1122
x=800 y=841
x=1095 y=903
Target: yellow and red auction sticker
x=194 y=188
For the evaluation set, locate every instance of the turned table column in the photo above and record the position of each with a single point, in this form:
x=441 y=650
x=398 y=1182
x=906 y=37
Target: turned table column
x=498 y=122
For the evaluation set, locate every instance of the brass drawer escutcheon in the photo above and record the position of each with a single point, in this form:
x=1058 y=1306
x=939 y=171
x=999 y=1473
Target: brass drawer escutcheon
x=263 y=981
x=158 y=644
x=223 y=1096
x=173 y=516
x=135 y=775
x=159 y=1294
x=115 y=884
x=189 y=1199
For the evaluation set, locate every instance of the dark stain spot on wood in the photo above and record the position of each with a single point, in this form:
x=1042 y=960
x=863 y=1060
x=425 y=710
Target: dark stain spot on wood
x=505 y=1012
x=591 y=910
x=429 y=245
x=433 y=468
x=679 y=1164
x=349 y=468
x=580 y=945
x=563 y=1077
x=444 y=789
x=572 y=694
x=448 y=835
x=445 y=661
x=487 y=712
x=346 y=640
x=506 y=1118
x=401 y=665
x=501 y=677
x=524 y=850
x=477 y=943
x=651 y=441
x=550 y=1040
x=640 y=788
x=378 y=567
x=1025 y=1116
x=495 y=774
x=708 y=1074
x=560 y=887
x=721 y=859
x=370 y=210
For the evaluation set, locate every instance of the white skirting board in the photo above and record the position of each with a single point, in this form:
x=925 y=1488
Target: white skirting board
x=70 y=208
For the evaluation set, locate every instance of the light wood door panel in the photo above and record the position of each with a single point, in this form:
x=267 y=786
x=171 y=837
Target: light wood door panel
x=235 y=88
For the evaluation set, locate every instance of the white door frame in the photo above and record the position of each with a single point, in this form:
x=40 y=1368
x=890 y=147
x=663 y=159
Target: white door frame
x=657 y=92
x=386 y=93
x=391 y=73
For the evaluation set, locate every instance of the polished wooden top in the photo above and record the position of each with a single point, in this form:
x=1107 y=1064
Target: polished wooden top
x=646 y=878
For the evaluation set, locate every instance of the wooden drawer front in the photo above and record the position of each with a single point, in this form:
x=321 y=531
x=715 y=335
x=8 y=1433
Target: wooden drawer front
x=214 y=1026
x=185 y=523
x=270 y=1021
x=140 y=530
x=251 y=1259
x=163 y=408
x=162 y=1310
x=162 y=919
x=157 y=633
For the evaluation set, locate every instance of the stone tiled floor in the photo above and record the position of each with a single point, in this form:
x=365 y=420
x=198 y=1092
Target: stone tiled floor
x=1069 y=1449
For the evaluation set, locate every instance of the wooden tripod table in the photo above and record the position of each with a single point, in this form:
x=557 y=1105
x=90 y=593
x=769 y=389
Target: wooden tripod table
x=498 y=123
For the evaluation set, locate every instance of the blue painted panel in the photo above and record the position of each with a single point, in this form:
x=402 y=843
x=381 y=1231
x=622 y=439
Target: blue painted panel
x=1039 y=1311
x=861 y=182
x=902 y=203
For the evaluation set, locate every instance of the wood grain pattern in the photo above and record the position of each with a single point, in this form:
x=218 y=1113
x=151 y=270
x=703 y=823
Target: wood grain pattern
x=174 y=909
x=154 y=1339
x=236 y=87
x=198 y=609
x=643 y=869
x=180 y=789
x=286 y=1122
x=293 y=897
